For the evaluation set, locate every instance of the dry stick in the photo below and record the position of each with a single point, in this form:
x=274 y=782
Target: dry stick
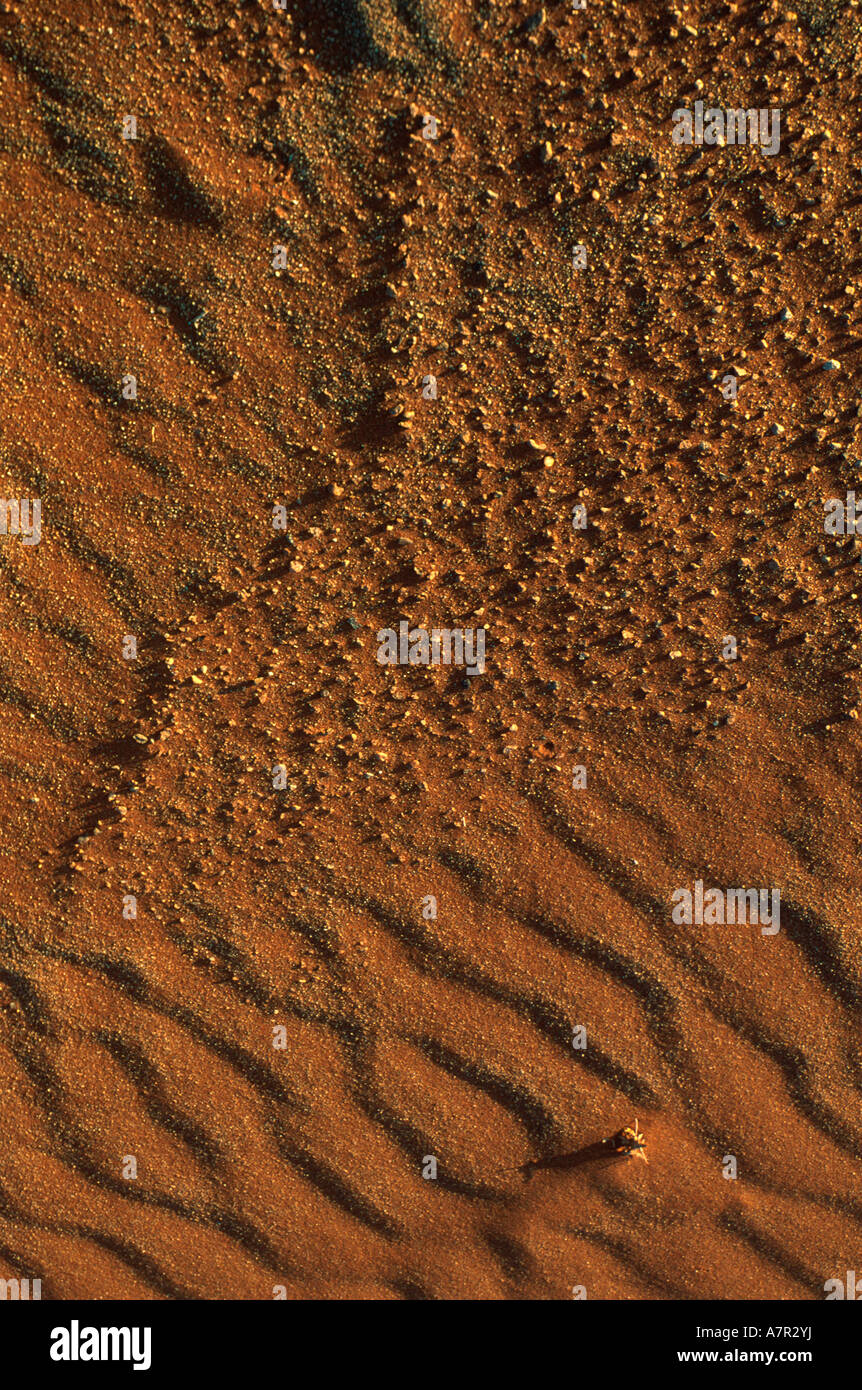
x=719 y=195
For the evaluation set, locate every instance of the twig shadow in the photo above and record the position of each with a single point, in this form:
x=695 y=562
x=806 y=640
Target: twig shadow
x=590 y=1153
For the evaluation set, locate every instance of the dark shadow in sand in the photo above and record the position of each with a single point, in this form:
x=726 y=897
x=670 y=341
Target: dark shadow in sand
x=591 y=1153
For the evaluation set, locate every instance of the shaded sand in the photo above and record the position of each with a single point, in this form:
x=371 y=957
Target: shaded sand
x=410 y=1035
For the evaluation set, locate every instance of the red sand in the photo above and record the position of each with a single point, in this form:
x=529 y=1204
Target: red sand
x=408 y=1036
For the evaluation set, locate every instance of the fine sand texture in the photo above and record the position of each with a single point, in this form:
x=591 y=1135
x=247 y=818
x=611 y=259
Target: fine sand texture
x=388 y=311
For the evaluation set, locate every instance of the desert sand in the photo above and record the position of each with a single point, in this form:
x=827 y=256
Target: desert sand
x=281 y=923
